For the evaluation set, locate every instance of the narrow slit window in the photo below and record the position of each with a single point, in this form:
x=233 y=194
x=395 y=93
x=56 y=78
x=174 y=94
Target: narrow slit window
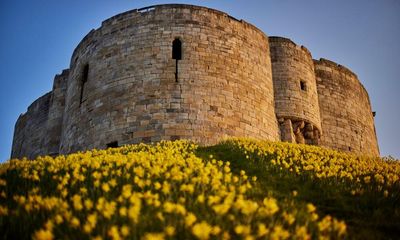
x=177 y=49
x=176 y=54
x=84 y=79
x=113 y=144
x=303 y=85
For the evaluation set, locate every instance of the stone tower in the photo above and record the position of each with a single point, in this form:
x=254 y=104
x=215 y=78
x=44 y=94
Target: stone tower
x=176 y=71
x=295 y=88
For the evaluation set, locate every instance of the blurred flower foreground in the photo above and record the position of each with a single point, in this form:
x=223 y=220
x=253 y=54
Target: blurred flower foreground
x=238 y=189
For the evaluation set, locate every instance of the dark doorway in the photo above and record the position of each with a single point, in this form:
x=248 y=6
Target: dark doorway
x=113 y=144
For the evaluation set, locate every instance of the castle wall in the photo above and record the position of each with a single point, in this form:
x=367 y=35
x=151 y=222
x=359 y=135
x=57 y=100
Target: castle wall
x=224 y=83
x=126 y=86
x=30 y=130
x=296 y=99
x=346 y=115
x=56 y=113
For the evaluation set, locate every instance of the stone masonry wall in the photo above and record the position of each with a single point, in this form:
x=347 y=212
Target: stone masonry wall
x=232 y=80
x=56 y=113
x=346 y=115
x=296 y=99
x=224 y=83
x=30 y=130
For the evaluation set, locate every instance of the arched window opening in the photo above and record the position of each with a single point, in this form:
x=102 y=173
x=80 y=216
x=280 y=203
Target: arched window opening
x=177 y=49
x=176 y=54
x=84 y=79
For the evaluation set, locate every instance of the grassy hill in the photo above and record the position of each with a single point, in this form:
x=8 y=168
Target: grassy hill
x=238 y=189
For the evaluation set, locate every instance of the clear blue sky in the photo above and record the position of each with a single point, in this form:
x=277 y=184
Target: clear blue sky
x=38 y=37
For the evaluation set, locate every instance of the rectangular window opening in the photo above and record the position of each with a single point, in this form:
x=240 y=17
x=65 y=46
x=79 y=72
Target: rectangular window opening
x=177 y=49
x=84 y=79
x=303 y=85
x=113 y=144
x=176 y=54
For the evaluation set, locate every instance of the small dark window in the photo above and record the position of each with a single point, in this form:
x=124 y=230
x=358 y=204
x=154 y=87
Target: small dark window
x=176 y=54
x=349 y=148
x=113 y=144
x=84 y=79
x=85 y=73
x=303 y=85
x=177 y=49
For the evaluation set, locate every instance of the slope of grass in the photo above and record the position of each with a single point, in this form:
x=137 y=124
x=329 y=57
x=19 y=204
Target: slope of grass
x=238 y=189
x=363 y=191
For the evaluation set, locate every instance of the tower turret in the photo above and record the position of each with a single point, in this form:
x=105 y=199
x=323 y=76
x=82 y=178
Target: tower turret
x=295 y=90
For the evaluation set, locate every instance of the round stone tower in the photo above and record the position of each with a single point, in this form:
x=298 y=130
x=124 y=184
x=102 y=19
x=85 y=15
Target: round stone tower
x=346 y=114
x=169 y=72
x=296 y=99
x=176 y=71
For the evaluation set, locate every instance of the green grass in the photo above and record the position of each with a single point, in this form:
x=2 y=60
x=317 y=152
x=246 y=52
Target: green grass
x=368 y=216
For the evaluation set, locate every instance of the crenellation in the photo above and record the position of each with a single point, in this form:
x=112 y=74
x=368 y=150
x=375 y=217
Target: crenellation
x=124 y=87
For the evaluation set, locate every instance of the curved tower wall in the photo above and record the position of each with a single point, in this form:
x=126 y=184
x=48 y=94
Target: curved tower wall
x=224 y=83
x=232 y=80
x=30 y=130
x=346 y=115
x=296 y=98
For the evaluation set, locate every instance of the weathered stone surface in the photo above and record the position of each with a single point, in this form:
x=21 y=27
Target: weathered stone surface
x=287 y=132
x=30 y=129
x=121 y=88
x=55 y=114
x=346 y=116
x=295 y=87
